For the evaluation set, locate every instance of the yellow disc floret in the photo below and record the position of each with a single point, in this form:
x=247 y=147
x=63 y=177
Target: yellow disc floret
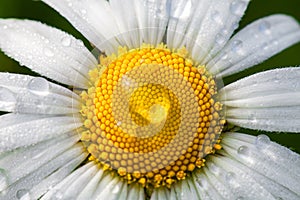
x=151 y=116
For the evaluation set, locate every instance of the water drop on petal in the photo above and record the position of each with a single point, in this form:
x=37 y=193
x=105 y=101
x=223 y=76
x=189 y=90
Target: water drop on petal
x=48 y=52
x=237 y=45
x=243 y=151
x=21 y=193
x=39 y=86
x=230 y=177
x=240 y=198
x=262 y=141
x=216 y=17
x=265 y=27
x=237 y=7
x=66 y=41
x=57 y=195
x=220 y=39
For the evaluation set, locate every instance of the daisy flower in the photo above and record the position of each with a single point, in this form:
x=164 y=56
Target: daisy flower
x=146 y=116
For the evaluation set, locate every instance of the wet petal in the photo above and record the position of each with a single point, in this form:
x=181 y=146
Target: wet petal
x=266 y=101
x=36 y=95
x=47 y=50
x=256 y=43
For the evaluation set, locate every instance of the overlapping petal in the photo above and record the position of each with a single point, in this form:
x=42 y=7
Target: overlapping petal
x=46 y=50
x=266 y=101
x=203 y=27
x=35 y=95
x=256 y=43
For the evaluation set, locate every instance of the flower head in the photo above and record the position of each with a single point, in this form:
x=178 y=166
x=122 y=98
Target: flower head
x=148 y=117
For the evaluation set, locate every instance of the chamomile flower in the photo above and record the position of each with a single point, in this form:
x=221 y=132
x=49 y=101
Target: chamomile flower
x=148 y=117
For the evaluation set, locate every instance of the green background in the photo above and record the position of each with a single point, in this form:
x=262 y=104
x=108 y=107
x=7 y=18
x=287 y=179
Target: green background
x=37 y=10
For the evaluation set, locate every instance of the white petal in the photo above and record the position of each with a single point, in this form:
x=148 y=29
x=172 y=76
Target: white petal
x=38 y=190
x=24 y=161
x=93 y=18
x=27 y=94
x=161 y=194
x=273 y=163
x=90 y=188
x=203 y=26
x=256 y=43
x=17 y=130
x=47 y=50
x=141 y=21
x=267 y=101
x=25 y=185
x=127 y=20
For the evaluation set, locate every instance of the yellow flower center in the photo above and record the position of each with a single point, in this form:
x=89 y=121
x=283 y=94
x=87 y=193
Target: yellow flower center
x=151 y=116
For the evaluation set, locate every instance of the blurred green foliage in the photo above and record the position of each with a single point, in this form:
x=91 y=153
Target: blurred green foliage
x=36 y=10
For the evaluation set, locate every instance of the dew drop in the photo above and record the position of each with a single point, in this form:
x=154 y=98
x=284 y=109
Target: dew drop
x=240 y=198
x=252 y=118
x=39 y=86
x=48 y=52
x=58 y=195
x=5 y=27
x=265 y=46
x=243 y=151
x=224 y=57
x=83 y=11
x=230 y=177
x=216 y=17
x=237 y=45
x=66 y=41
x=237 y=7
x=265 y=27
x=262 y=141
x=3 y=181
x=21 y=193
x=220 y=39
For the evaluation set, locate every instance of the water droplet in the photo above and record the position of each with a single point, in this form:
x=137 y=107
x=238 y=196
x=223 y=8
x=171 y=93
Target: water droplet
x=279 y=198
x=48 y=52
x=237 y=45
x=243 y=151
x=220 y=39
x=39 y=86
x=252 y=118
x=240 y=198
x=5 y=27
x=116 y=189
x=230 y=177
x=58 y=195
x=6 y=95
x=238 y=7
x=224 y=57
x=216 y=17
x=262 y=141
x=235 y=25
x=83 y=11
x=21 y=193
x=265 y=27
x=3 y=180
x=66 y=41
x=265 y=46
